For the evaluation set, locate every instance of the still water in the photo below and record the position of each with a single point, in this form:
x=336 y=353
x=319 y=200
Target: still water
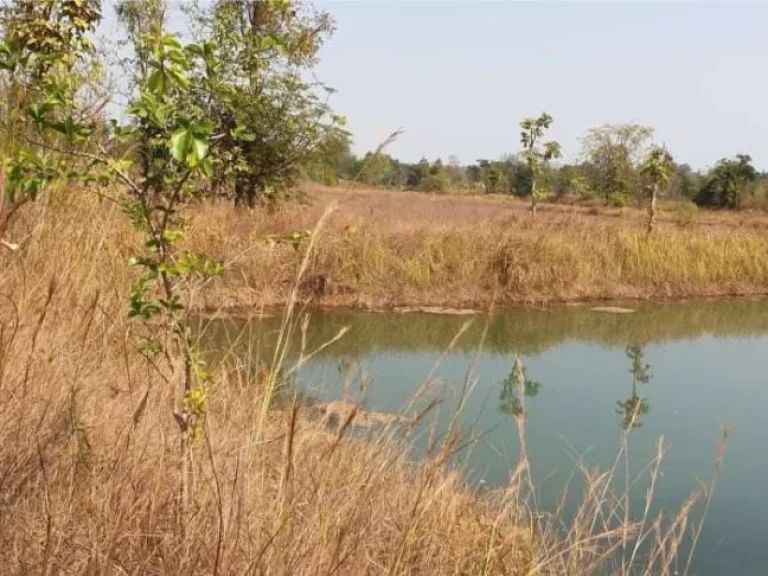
x=686 y=370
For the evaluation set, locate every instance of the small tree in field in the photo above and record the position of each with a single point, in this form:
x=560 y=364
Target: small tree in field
x=269 y=117
x=728 y=184
x=173 y=141
x=657 y=169
x=45 y=59
x=614 y=152
x=155 y=161
x=535 y=153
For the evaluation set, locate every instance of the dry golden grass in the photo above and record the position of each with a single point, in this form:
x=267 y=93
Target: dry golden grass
x=89 y=451
x=88 y=463
x=407 y=210
x=400 y=248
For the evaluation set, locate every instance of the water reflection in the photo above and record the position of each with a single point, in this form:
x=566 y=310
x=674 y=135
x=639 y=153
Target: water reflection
x=515 y=389
x=581 y=356
x=526 y=331
x=634 y=407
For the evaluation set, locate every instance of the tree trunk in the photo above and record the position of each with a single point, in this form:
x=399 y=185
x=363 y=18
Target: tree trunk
x=245 y=191
x=184 y=420
x=652 y=210
x=533 y=199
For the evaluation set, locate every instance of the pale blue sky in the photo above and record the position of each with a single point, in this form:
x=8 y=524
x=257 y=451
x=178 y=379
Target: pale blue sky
x=459 y=75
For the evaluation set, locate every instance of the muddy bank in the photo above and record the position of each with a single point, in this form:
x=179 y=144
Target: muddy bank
x=620 y=303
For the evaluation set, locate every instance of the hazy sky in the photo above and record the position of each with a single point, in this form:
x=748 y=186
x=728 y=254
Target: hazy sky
x=458 y=76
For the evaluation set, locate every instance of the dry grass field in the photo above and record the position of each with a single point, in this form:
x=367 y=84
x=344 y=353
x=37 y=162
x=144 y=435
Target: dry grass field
x=389 y=248
x=416 y=209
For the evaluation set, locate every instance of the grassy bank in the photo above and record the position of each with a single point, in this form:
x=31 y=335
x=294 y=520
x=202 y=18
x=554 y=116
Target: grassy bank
x=89 y=450
x=388 y=249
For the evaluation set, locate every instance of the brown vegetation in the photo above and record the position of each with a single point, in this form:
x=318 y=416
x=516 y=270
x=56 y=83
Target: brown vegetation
x=89 y=450
x=385 y=249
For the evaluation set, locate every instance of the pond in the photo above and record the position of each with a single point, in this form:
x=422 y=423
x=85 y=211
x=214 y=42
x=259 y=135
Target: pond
x=682 y=370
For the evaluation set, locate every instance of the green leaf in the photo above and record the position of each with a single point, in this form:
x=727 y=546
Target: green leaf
x=39 y=111
x=171 y=42
x=180 y=145
x=178 y=77
x=121 y=164
x=172 y=305
x=241 y=133
x=201 y=148
x=268 y=42
x=172 y=236
x=207 y=167
x=194 y=50
x=8 y=58
x=202 y=128
x=209 y=54
x=68 y=127
x=157 y=82
x=177 y=57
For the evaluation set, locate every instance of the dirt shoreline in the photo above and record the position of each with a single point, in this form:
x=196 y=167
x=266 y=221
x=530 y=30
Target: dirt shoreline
x=426 y=305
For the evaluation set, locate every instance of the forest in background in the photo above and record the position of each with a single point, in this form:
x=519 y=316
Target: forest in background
x=608 y=171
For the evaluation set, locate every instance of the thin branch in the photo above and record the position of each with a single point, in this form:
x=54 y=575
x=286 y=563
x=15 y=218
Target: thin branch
x=89 y=156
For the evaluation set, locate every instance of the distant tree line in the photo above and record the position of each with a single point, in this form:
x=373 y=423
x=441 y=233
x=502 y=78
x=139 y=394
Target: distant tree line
x=268 y=124
x=609 y=170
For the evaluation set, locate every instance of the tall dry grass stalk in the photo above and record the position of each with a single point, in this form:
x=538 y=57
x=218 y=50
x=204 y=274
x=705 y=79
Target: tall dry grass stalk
x=89 y=451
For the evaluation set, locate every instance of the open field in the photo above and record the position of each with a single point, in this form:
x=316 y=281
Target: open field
x=401 y=210
x=382 y=249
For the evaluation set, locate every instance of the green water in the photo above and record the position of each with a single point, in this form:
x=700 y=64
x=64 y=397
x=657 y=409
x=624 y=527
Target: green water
x=692 y=368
